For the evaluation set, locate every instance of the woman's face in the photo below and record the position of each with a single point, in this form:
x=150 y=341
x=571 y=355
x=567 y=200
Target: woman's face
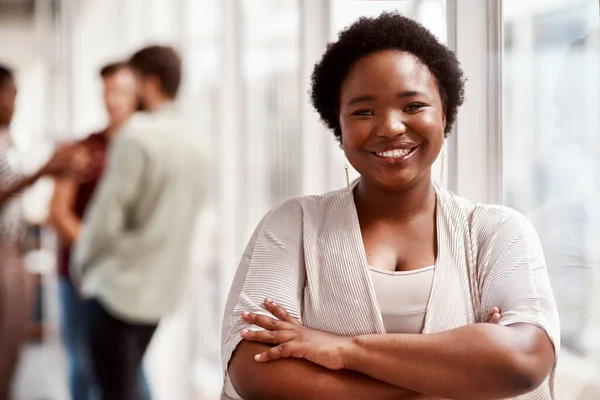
x=392 y=119
x=120 y=95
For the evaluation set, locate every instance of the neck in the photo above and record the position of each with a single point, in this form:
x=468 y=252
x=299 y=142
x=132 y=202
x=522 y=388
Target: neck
x=415 y=200
x=157 y=101
x=112 y=128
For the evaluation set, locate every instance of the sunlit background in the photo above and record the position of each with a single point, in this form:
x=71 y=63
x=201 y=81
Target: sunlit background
x=247 y=66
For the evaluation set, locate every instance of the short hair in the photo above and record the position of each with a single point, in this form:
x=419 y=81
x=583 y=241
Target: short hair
x=110 y=69
x=6 y=75
x=388 y=31
x=162 y=62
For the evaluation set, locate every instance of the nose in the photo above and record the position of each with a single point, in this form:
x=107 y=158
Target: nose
x=391 y=125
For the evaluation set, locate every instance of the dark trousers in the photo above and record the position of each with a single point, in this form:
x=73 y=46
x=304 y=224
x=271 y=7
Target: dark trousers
x=82 y=383
x=117 y=349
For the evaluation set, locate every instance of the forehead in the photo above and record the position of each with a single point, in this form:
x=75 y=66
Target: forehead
x=123 y=76
x=388 y=70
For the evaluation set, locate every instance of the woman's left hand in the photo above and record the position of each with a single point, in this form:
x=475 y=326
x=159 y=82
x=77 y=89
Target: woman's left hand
x=291 y=339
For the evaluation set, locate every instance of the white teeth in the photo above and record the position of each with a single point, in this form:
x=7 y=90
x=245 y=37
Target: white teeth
x=394 y=153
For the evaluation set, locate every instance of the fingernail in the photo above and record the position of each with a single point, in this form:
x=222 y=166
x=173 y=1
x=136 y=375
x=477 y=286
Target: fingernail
x=245 y=332
x=246 y=314
x=257 y=357
x=269 y=301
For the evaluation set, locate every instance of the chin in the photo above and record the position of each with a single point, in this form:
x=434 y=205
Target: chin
x=397 y=182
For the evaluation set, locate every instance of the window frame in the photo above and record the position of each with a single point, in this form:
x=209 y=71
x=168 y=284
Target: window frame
x=475 y=145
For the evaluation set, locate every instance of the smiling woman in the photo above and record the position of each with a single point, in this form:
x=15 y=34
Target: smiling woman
x=373 y=291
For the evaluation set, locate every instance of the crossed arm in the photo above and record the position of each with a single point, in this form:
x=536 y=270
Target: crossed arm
x=295 y=379
x=479 y=361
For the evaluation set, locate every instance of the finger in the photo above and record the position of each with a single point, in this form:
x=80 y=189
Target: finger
x=264 y=321
x=279 y=312
x=268 y=337
x=274 y=353
x=495 y=315
x=493 y=311
x=495 y=318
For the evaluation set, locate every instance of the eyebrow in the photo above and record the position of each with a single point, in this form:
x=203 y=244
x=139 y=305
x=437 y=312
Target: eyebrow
x=367 y=98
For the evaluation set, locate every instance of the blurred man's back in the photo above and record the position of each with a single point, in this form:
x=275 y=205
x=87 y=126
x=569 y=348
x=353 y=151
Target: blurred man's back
x=135 y=245
x=139 y=279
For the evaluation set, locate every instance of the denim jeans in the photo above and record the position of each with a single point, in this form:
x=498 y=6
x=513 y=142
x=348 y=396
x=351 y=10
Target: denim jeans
x=82 y=384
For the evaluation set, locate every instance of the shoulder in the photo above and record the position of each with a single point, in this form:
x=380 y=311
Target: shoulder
x=492 y=216
x=478 y=215
x=294 y=210
x=487 y=223
x=498 y=227
x=168 y=120
x=93 y=139
x=135 y=126
x=128 y=145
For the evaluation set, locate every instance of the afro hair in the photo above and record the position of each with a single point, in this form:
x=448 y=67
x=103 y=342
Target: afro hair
x=389 y=31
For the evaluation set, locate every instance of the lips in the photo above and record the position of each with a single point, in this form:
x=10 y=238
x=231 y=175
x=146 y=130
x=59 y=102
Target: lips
x=394 y=156
x=396 y=153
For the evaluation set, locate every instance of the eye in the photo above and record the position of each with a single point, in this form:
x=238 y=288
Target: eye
x=414 y=107
x=363 y=113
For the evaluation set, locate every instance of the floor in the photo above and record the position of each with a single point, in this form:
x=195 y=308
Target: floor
x=41 y=374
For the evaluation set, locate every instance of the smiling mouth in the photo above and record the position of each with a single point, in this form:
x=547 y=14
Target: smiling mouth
x=395 y=154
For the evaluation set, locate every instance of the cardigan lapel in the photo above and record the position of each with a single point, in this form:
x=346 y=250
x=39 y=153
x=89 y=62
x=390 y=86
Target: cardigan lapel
x=450 y=304
x=339 y=295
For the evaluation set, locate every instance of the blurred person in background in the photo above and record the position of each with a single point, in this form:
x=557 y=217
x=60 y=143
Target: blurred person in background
x=70 y=200
x=135 y=243
x=15 y=296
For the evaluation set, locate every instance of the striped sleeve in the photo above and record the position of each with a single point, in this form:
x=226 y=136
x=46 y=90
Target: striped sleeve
x=272 y=266
x=515 y=277
x=11 y=222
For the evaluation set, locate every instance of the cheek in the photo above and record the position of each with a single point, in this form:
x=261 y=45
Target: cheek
x=431 y=127
x=356 y=131
x=133 y=100
x=430 y=119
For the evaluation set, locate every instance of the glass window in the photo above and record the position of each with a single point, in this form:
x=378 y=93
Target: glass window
x=271 y=105
x=551 y=163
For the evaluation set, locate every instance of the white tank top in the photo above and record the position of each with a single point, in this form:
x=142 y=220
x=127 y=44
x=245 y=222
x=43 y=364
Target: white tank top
x=402 y=297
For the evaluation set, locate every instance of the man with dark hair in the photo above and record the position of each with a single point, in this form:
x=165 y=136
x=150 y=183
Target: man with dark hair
x=159 y=68
x=68 y=205
x=14 y=294
x=135 y=244
x=111 y=69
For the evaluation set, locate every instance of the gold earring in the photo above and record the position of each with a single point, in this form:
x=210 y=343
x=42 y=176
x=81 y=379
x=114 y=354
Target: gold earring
x=346 y=168
x=443 y=159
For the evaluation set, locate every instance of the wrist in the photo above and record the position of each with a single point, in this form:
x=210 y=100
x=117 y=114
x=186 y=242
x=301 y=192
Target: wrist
x=31 y=179
x=348 y=350
x=40 y=173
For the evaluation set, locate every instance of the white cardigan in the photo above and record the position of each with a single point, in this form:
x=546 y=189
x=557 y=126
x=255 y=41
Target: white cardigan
x=307 y=254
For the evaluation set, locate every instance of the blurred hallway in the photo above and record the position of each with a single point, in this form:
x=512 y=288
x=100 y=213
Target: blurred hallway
x=246 y=74
x=42 y=373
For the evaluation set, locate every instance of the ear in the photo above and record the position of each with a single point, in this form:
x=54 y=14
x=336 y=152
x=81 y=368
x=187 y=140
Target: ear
x=444 y=116
x=154 y=83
